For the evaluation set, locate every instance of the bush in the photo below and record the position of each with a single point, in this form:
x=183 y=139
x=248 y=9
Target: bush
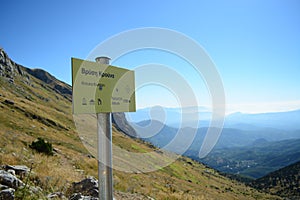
x=42 y=146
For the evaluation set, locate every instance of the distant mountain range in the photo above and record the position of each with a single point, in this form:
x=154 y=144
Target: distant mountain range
x=289 y=120
x=173 y=117
x=196 y=117
x=250 y=144
x=160 y=134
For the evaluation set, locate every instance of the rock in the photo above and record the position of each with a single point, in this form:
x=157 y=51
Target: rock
x=3 y=187
x=20 y=170
x=56 y=150
x=12 y=172
x=87 y=187
x=41 y=74
x=9 y=66
x=79 y=196
x=11 y=80
x=76 y=196
x=63 y=89
x=19 y=69
x=56 y=195
x=7 y=194
x=35 y=189
x=9 y=102
x=10 y=180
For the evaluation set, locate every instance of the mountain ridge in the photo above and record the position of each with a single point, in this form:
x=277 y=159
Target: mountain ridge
x=9 y=69
x=175 y=117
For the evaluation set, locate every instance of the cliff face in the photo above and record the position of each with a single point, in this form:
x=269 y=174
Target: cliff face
x=8 y=68
x=122 y=124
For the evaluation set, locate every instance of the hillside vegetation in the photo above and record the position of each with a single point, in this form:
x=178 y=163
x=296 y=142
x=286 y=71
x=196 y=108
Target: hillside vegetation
x=284 y=182
x=256 y=160
x=36 y=105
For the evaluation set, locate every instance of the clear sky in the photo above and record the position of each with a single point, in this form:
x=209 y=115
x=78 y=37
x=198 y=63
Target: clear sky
x=254 y=44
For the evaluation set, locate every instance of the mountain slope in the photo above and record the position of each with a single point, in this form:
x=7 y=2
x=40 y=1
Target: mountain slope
x=35 y=104
x=284 y=182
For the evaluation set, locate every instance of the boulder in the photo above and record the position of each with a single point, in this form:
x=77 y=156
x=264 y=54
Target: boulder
x=12 y=172
x=56 y=195
x=7 y=194
x=10 y=180
x=87 y=187
x=20 y=170
x=79 y=196
x=3 y=187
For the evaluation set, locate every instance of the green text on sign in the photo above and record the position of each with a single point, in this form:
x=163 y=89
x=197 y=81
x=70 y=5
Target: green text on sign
x=101 y=88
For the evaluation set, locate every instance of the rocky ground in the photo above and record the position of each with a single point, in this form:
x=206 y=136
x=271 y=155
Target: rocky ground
x=14 y=185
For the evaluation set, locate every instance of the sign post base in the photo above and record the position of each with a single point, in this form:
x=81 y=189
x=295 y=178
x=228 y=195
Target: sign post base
x=105 y=178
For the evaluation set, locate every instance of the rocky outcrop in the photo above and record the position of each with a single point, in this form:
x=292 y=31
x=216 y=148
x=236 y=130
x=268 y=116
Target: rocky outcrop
x=123 y=125
x=8 y=184
x=10 y=180
x=41 y=74
x=78 y=196
x=7 y=194
x=9 y=70
x=56 y=195
x=85 y=188
x=20 y=170
x=47 y=78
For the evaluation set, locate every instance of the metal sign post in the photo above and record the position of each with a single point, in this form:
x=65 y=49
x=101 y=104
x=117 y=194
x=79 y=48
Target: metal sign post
x=104 y=149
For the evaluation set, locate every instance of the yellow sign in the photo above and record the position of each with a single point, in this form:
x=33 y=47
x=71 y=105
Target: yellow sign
x=101 y=88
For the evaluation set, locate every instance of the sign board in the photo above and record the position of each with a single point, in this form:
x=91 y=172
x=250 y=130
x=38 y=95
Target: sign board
x=100 y=88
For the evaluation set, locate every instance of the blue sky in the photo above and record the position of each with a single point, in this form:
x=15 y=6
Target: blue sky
x=254 y=44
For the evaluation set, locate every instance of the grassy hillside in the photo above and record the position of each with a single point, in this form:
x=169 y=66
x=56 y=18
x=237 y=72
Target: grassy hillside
x=284 y=182
x=33 y=107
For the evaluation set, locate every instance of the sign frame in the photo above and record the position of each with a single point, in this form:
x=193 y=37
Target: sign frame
x=101 y=88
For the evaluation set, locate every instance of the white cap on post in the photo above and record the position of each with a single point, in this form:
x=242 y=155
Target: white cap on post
x=103 y=60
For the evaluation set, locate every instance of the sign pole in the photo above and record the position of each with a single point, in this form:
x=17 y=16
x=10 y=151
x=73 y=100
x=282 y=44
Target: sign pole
x=104 y=125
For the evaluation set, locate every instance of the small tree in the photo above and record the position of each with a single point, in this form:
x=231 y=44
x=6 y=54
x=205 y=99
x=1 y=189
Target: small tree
x=42 y=146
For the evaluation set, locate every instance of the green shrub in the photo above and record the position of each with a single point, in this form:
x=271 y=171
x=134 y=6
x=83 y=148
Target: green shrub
x=42 y=146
